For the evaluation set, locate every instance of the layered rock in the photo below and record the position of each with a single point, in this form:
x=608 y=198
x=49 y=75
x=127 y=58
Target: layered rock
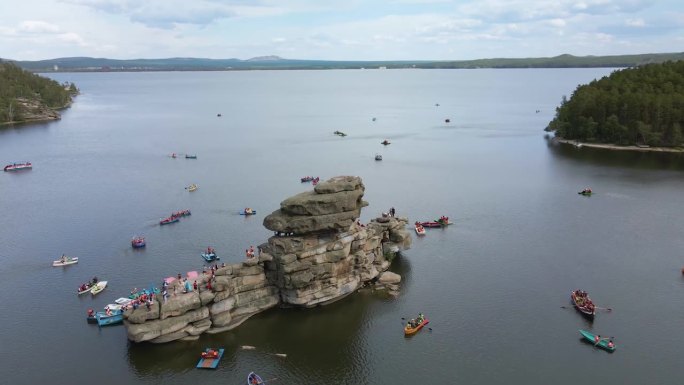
x=320 y=254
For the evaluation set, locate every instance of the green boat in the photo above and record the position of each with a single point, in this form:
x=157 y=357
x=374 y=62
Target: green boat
x=604 y=343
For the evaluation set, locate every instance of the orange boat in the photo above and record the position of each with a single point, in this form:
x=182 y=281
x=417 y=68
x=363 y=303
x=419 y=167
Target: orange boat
x=414 y=325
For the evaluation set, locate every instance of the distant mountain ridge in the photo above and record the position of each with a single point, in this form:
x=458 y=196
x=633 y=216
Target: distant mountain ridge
x=272 y=62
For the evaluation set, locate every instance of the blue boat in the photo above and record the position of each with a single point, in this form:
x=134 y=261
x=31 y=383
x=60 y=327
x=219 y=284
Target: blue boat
x=254 y=379
x=210 y=358
x=103 y=319
x=210 y=256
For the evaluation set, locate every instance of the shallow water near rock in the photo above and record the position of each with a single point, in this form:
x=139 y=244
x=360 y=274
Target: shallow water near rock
x=492 y=284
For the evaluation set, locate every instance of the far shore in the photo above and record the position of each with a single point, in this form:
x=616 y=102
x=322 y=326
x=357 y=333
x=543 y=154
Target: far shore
x=619 y=148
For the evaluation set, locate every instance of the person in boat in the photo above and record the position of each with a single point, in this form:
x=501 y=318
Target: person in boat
x=611 y=344
x=108 y=311
x=597 y=338
x=91 y=313
x=63 y=258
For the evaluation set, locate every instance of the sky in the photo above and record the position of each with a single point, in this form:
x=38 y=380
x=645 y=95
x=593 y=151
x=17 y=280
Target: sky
x=338 y=29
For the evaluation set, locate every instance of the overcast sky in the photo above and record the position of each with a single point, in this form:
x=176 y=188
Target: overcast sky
x=338 y=29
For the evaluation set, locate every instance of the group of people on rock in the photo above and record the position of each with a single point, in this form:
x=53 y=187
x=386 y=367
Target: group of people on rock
x=249 y=253
x=414 y=322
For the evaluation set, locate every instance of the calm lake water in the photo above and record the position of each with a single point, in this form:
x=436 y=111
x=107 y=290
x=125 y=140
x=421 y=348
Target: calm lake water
x=493 y=285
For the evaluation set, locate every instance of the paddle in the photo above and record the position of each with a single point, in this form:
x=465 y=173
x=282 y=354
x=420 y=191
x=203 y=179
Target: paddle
x=248 y=347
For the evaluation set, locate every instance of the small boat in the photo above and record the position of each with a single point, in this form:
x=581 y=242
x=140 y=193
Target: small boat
x=192 y=187
x=420 y=230
x=447 y=120
x=340 y=133
x=168 y=220
x=110 y=317
x=385 y=142
x=98 y=287
x=174 y=155
x=138 y=242
x=210 y=256
x=210 y=358
x=182 y=213
x=248 y=211
x=307 y=179
x=441 y=222
x=85 y=288
x=188 y=156
x=585 y=192
x=604 y=343
x=18 y=166
x=583 y=303
x=417 y=324
x=378 y=157
x=254 y=379
x=123 y=301
x=65 y=261
x=90 y=316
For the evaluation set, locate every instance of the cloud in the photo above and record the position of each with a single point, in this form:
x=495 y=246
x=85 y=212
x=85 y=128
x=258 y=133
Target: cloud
x=635 y=22
x=37 y=27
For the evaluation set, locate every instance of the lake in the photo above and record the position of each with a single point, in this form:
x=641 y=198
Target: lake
x=495 y=285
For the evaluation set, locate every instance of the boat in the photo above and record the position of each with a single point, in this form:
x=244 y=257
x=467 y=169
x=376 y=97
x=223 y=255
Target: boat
x=182 y=213
x=603 y=343
x=18 y=166
x=188 y=156
x=210 y=358
x=192 y=187
x=138 y=242
x=98 y=287
x=307 y=179
x=254 y=379
x=340 y=133
x=90 y=316
x=447 y=120
x=110 y=317
x=420 y=230
x=65 y=261
x=385 y=142
x=209 y=257
x=86 y=287
x=441 y=222
x=123 y=301
x=414 y=325
x=585 y=192
x=583 y=303
x=248 y=211
x=378 y=157
x=168 y=220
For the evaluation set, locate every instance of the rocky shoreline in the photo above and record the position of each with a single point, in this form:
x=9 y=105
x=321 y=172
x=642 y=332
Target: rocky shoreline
x=33 y=111
x=319 y=254
x=617 y=147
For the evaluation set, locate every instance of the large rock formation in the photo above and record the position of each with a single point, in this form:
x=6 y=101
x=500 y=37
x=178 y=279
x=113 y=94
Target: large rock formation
x=320 y=254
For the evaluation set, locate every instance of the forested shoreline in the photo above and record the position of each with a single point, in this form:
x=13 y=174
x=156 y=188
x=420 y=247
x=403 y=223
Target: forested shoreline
x=26 y=97
x=641 y=106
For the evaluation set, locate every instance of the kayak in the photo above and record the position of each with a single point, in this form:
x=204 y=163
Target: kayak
x=604 y=343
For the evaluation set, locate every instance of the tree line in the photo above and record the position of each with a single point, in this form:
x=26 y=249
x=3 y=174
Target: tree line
x=18 y=85
x=635 y=106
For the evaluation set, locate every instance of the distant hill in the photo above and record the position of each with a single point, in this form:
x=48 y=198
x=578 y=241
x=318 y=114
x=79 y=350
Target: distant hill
x=74 y=64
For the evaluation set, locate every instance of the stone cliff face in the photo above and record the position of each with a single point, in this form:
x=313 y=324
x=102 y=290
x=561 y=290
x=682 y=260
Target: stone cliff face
x=319 y=254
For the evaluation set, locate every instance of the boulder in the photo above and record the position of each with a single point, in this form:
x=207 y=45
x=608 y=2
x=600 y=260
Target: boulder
x=313 y=203
x=284 y=223
x=180 y=304
x=389 y=278
x=339 y=183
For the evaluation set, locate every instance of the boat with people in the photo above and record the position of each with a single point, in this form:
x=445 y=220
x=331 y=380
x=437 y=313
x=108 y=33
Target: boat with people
x=209 y=358
x=420 y=230
x=254 y=379
x=581 y=301
x=385 y=142
x=378 y=157
x=138 y=242
x=192 y=187
x=248 y=211
x=168 y=220
x=586 y=192
x=182 y=213
x=443 y=221
x=307 y=179
x=65 y=261
x=87 y=286
x=340 y=133
x=415 y=324
x=109 y=317
x=98 y=287
x=605 y=343
x=18 y=166
x=188 y=156
x=210 y=254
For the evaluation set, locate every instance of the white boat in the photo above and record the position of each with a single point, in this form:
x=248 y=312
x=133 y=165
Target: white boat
x=420 y=230
x=192 y=187
x=113 y=306
x=123 y=301
x=98 y=287
x=65 y=261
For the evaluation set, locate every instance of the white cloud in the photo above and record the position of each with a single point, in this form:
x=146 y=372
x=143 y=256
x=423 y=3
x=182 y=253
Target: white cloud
x=557 y=23
x=37 y=27
x=635 y=22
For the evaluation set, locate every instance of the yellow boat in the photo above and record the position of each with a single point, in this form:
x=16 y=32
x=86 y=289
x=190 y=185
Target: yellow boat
x=409 y=330
x=192 y=187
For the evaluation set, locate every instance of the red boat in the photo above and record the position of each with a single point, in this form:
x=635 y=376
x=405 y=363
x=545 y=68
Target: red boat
x=168 y=220
x=583 y=303
x=441 y=222
x=18 y=166
x=138 y=242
